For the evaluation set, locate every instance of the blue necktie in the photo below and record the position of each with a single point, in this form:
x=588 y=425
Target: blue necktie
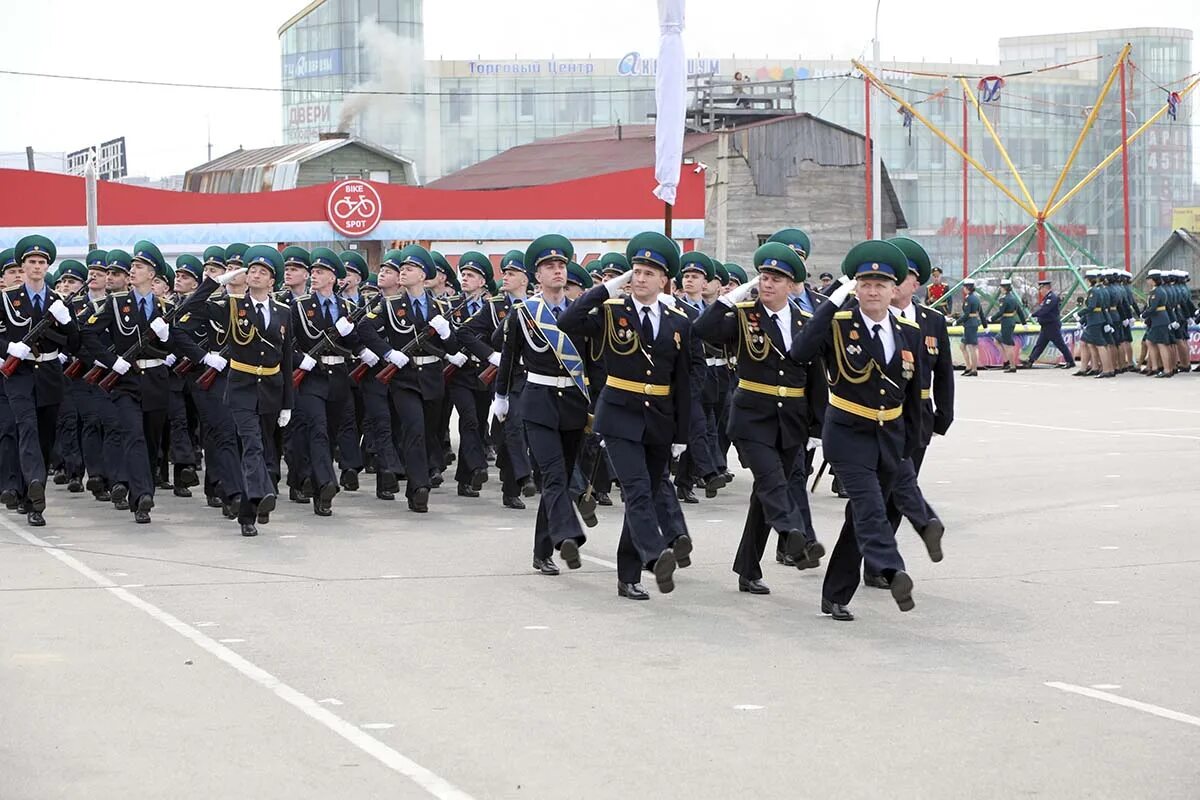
x=37 y=304
x=329 y=310
x=146 y=308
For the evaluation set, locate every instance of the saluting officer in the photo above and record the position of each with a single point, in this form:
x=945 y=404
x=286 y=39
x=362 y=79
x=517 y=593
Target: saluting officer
x=643 y=410
x=554 y=403
x=35 y=388
x=768 y=416
x=874 y=419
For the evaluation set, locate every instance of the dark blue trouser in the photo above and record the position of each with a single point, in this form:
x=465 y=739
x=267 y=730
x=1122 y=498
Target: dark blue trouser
x=640 y=468
x=771 y=503
x=10 y=461
x=222 y=468
x=67 y=439
x=132 y=423
x=377 y=429
x=1047 y=336
x=471 y=455
x=316 y=418
x=35 y=425
x=554 y=451
x=512 y=450
x=409 y=427
x=866 y=535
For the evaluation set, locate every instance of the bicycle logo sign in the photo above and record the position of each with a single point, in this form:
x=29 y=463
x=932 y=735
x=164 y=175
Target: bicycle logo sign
x=353 y=208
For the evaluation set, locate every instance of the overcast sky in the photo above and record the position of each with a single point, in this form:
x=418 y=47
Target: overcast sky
x=235 y=42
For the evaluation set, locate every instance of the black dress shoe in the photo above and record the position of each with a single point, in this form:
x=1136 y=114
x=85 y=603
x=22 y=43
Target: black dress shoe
x=634 y=591
x=60 y=477
x=94 y=484
x=466 y=490
x=755 y=586
x=163 y=483
x=180 y=491
x=212 y=501
x=836 y=610
x=141 y=513
x=102 y=495
x=902 y=587
x=436 y=480
x=248 y=529
x=35 y=519
x=514 y=502
x=528 y=489
x=728 y=476
x=186 y=476
x=9 y=498
x=36 y=495
x=385 y=494
x=586 y=503
x=23 y=507
x=569 y=550
x=602 y=499
x=837 y=488
x=931 y=534
x=265 y=507
x=387 y=482
x=419 y=502
x=119 y=494
x=807 y=563
x=876 y=581
x=813 y=551
x=664 y=571
x=350 y=480
x=75 y=486
x=685 y=494
x=230 y=510
x=478 y=478
x=295 y=495
x=324 y=498
x=682 y=547
x=546 y=566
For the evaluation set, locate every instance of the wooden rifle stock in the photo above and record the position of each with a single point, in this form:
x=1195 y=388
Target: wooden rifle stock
x=35 y=332
x=298 y=375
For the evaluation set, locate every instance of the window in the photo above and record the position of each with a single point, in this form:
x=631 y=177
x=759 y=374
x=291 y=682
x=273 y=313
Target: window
x=525 y=103
x=460 y=105
x=380 y=176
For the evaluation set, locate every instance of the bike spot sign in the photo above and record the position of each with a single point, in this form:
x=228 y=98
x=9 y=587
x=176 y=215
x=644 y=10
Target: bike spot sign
x=353 y=208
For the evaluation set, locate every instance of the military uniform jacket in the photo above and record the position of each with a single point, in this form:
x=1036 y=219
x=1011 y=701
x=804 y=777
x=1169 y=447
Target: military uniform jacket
x=260 y=360
x=937 y=373
x=1095 y=308
x=460 y=317
x=875 y=415
x=392 y=328
x=1155 y=314
x=1009 y=312
x=717 y=369
x=563 y=408
x=661 y=417
x=18 y=318
x=972 y=313
x=310 y=326
x=762 y=363
x=1048 y=310
x=121 y=322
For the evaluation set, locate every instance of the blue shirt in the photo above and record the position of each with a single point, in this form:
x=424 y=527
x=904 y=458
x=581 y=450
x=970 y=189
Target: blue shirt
x=806 y=303
x=420 y=304
x=329 y=306
x=139 y=301
x=42 y=295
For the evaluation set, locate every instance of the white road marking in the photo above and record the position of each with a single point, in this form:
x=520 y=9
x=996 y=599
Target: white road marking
x=393 y=759
x=1112 y=476
x=1171 y=410
x=378 y=726
x=599 y=561
x=1111 y=505
x=206 y=624
x=132 y=585
x=389 y=577
x=504 y=529
x=747 y=707
x=537 y=627
x=1106 y=686
x=714 y=520
x=231 y=641
x=119 y=574
x=1107 y=602
x=1114 y=432
x=1110 y=547
x=1138 y=705
x=330 y=701
x=288 y=536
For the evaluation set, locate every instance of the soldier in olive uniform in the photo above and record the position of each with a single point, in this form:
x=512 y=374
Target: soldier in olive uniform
x=1008 y=312
x=970 y=319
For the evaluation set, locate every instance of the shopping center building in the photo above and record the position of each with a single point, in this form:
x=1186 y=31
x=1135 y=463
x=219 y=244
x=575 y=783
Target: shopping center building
x=448 y=115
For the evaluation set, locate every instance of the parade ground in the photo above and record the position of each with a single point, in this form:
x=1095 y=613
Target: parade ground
x=381 y=653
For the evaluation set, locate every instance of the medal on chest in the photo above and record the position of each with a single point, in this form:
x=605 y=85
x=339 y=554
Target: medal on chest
x=906 y=364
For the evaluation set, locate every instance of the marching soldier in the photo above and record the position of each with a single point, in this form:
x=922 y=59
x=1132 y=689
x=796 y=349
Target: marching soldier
x=349 y=449
x=12 y=487
x=874 y=418
x=1047 y=314
x=1007 y=315
x=297 y=263
x=100 y=430
x=35 y=324
x=321 y=324
x=554 y=402
x=68 y=280
x=768 y=417
x=464 y=390
x=400 y=335
x=1158 y=327
x=970 y=319
x=1097 y=328
x=643 y=410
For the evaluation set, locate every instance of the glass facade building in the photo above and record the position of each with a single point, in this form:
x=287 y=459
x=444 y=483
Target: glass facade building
x=476 y=109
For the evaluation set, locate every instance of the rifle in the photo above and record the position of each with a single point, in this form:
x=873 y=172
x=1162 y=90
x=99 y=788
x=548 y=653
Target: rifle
x=387 y=373
x=130 y=355
x=820 y=473
x=36 y=331
x=360 y=371
x=489 y=373
x=325 y=345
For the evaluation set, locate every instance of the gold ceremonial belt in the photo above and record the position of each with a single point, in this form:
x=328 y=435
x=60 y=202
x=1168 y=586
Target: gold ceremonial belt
x=766 y=388
x=926 y=394
x=1160 y=308
x=1097 y=309
x=1010 y=314
x=654 y=389
x=251 y=369
x=880 y=415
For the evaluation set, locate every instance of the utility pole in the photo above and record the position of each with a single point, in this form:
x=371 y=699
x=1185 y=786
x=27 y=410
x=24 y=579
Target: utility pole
x=876 y=156
x=722 y=194
x=29 y=158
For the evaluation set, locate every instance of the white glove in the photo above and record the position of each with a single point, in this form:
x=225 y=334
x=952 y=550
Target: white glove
x=121 y=366
x=441 y=325
x=677 y=450
x=494 y=360
x=62 y=358
x=307 y=363
x=667 y=299
x=396 y=359
x=1108 y=328
x=344 y=326
x=1128 y=322
x=842 y=292
x=615 y=285
x=215 y=361
x=1174 y=326
x=170 y=360
x=230 y=275
x=739 y=294
x=161 y=329
x=285 y=416
x=499 y=408
x=368 y=357
x=60 y=312
x=813 y=443
x=457 y=359
x=19 y=350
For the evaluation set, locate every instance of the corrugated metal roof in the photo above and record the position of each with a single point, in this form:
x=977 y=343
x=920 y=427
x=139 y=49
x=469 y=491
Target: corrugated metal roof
x=273 y=168
x=594 y=151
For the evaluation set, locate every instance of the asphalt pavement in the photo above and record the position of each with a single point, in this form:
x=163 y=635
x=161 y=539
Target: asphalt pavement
x=380 y=653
